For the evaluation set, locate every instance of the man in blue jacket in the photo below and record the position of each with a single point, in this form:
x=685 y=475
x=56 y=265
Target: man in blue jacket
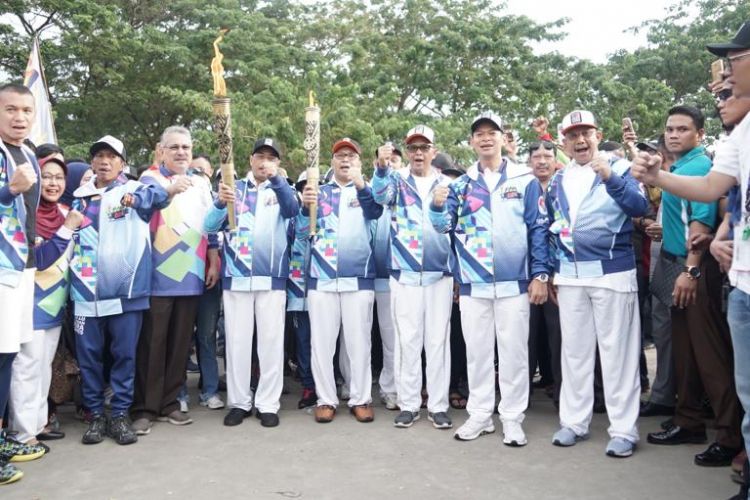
x=499 y=222
x=254 y=274
x=111 y=283
x=421 y=281
x=593 y=199
x=341 y=280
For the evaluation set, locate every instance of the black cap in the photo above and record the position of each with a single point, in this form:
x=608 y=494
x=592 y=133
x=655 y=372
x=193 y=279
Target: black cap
x=648 y=146
x=487 y=117
x=740 y=41
x=442 y=161
x=267 y=142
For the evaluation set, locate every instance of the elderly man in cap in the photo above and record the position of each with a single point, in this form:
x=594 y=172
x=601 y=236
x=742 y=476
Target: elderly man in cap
x=111 y=283
x=255 y=270
x=341 y=279
x=421 y=281
x=731 y=167
x=593 y=199
x=499 y=223
x=185 y=260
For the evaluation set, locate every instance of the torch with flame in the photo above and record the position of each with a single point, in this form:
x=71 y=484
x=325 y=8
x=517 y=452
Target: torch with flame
x=222 y=123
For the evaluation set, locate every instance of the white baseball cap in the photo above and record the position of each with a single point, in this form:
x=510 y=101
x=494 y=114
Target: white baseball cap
x=578 y=118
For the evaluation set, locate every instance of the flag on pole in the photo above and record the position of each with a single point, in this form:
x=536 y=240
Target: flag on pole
x=43 y=129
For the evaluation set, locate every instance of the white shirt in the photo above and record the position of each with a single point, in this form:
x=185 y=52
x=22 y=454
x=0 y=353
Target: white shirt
x=577 y=182
x=424 y=184
x=491 y=178
x=733 y=159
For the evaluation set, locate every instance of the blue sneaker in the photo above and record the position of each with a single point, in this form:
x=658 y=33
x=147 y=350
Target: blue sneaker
x=620 y=447
x=567 y=437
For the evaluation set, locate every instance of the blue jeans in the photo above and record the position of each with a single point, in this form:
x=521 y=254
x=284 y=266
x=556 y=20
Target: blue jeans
x=301 y=322
x=738 y=316
x=205 y=336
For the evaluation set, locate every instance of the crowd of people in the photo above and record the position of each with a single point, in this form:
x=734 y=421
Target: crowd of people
x=471 y=281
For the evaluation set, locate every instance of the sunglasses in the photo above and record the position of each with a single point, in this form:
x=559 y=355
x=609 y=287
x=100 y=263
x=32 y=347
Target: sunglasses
x=541 y=144
x=723 y=95
x=413 y=148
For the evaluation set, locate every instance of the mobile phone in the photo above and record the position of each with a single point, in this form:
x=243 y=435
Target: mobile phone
x=627 y=124
x=717 y=70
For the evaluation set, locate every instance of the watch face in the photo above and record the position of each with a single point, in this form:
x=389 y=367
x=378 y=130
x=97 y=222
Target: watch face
x=694 y=271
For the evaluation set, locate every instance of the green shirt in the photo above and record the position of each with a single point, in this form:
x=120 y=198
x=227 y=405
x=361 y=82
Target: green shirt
x=677 y=213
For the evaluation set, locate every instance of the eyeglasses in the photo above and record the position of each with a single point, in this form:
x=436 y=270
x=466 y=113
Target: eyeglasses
x=50 y=178
x=736 y=57
x=346 y=156
x=542 y=144
x=413 y=148
x=723 y=95
x=177 y=147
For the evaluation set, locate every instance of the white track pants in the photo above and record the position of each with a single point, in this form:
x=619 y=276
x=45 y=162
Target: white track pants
x=29 y=385
x=589 y=315
x=506 y=319
x=422 y=317
x=329 y=311
x=241 y=311
x=387 y=379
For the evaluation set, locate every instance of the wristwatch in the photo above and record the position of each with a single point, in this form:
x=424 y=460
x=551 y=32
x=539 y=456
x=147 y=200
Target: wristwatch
x=693 y=272
x=543 y=277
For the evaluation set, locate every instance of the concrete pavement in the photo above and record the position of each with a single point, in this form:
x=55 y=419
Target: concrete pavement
x=349 y=460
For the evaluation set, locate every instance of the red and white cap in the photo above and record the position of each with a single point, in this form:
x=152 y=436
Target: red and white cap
x=346 y=142
x=578 y=118
x=420 y=131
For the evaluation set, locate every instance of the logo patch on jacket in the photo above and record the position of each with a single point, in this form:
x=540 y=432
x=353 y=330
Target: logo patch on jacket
x=353 y=203
x=511 y=193
x=118 y=212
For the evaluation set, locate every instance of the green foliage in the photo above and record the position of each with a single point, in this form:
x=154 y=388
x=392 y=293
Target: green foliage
x=131 y=68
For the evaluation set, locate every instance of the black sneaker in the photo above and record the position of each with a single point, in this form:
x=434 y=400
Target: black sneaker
x=268 y=419
x=235 y=417
x=406 y=419
x=96 y=431
x=120 y=430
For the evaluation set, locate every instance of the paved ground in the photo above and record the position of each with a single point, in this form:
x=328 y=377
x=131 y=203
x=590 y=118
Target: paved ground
x=349 y=460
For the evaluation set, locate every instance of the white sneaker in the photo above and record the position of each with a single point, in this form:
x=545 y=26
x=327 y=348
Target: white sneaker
x=513 y=434
x=184 y=406
x=213 y=403
x=472 y=429
x=389 y=400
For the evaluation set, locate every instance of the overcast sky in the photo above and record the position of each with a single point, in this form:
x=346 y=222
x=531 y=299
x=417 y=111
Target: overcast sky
x=596 y=27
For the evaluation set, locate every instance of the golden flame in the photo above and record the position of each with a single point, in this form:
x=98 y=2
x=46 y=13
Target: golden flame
x=217 y=69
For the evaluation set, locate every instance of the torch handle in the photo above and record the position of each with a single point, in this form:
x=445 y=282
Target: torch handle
x=223 y=131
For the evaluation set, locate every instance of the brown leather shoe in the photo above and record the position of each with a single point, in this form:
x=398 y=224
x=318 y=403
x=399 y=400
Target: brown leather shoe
x=324 y=413
x=363 y=413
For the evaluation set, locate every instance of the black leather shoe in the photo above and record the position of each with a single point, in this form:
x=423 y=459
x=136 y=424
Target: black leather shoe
x=50 y=435
x=653 y=409
x=667 y=424
x=716 y=455
x=268 y=419
x=677 y=435
x=236 y=416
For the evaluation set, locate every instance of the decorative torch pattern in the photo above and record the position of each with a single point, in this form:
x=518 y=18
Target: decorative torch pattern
x=222 y=123
x=312 y=155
